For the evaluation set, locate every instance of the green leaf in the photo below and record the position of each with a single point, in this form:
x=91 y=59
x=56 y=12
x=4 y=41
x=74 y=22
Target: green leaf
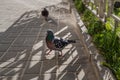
x=108 y=26
x=118 y=31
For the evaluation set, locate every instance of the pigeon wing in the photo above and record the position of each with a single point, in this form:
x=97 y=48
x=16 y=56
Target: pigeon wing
x=59 y=43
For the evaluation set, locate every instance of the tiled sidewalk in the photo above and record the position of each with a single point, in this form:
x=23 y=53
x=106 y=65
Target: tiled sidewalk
x=23 y=50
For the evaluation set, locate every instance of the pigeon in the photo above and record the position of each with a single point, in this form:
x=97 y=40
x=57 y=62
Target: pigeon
x=54 y=43
x=45 y=13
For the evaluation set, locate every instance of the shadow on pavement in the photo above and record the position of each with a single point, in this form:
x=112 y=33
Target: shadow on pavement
x=23 y=51
x=16 y=45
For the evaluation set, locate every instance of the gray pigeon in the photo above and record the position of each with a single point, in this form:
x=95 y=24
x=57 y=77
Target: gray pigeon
x=54 y=43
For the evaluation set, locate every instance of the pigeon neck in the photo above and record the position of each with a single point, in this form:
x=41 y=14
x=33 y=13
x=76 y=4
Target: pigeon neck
x=50 y=38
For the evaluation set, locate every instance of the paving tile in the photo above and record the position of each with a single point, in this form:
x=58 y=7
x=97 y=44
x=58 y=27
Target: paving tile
x=25 y=40
x=7 y=40
x=35 y=30
x=15 y=29
x=51 y=76
x=30 y=77
x=52 y=27
x=8 y=36
x=12 y=35
x=43 y=33
x=72 y=57
x=76 y=51
x=49 y=66
x=9 y=78
x=89 y=70
x=37 y=53
x=4 y=47
x=67 y=50
x=11 y=71
x=5 y=64
x=18 y=48
x=40 y=38
x=16 y=64
x=20 y=40
x=32 y=22
x=36 y=58
x=66 y=58
x=66 y=76
x=33 y=67
x=4 y=35
x=69 y=68
x=38 y=45
x=9 y=56
x=50 y=56
x=22 y=56
x=67 y=35
x=83 y=60
x=1 y=54
x=22 y=45
x=78 y=44
x=27 y=29
x=30 y=31
x=81 y=75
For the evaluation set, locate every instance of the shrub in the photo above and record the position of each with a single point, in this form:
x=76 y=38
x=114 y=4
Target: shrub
x=80 y=6
x=105 y=36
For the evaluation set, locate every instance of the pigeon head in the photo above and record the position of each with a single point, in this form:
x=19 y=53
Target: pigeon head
x=50 y=32
x=50 y=35
x=45 y=9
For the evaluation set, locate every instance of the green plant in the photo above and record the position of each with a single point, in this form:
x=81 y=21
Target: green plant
x=117 y=11
x=98 y=40
x=87 y=15
x=108 y=26
x=118 y=31
x=110 y=23
x=80 y=6
x=92 y=5
x=96 y=27
x=106 y=37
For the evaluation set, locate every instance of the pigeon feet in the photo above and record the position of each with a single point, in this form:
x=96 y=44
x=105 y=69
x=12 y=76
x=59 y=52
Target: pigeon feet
x=48 y=52
x=60 y=55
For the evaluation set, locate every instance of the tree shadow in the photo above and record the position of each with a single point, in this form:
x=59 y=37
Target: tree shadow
x=23 y=50
x=71 y=65
x=16 y=46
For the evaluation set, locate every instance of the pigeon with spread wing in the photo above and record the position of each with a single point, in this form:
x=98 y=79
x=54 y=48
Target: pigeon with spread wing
x=54 y=43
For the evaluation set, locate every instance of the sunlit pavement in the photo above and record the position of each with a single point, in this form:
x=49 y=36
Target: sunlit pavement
x=11 y=10
x=23 y=49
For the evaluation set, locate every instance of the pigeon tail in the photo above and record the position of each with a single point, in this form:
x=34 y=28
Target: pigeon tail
x=71 y=41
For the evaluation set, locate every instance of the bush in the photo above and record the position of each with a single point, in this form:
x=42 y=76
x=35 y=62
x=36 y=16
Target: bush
x=105 y=36
x=80 y=6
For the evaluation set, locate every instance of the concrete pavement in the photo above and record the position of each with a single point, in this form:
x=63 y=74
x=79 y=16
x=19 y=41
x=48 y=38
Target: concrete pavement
x=23 y=49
